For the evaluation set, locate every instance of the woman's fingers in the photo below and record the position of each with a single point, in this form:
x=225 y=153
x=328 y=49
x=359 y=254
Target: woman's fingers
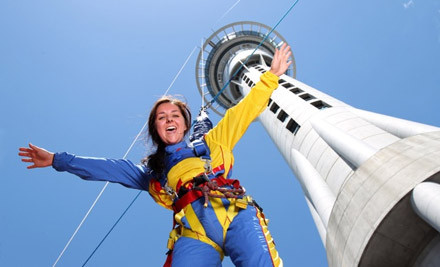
x=286 y=53
x=25 y=154
x=31 y=166
x=39 y=157
x=282 y=50
x=276 y=55
x=32 y=146
x=25 y=149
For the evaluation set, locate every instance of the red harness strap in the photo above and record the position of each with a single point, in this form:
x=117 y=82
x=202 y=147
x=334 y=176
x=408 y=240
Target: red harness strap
x=189 y=197
x=215 y=184
x=169 y=259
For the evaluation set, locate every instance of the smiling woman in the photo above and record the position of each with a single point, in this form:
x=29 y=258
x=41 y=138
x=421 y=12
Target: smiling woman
x=213 y=215
x=170 y=119
x=168 y=123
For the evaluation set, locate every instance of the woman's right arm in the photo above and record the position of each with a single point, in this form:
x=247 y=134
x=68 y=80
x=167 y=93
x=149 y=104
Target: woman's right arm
x=237 y=119
x=94 y=169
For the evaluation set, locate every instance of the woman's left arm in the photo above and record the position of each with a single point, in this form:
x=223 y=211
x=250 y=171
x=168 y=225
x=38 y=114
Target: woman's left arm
x=238 y=118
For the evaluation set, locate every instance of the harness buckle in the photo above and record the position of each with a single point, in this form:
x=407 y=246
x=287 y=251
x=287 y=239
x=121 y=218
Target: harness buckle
x=170 y=191
x=174 y=235
x=207 y=166
x=241 y=203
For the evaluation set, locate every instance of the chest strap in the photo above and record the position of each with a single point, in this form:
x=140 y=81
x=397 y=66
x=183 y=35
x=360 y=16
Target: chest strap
x=180 y=151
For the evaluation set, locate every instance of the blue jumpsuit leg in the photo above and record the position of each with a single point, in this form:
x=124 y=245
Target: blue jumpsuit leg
x=189 y=252
x=246 y=242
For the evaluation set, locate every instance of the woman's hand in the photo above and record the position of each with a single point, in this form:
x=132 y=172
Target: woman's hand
x=279 y=62
x=38 y=156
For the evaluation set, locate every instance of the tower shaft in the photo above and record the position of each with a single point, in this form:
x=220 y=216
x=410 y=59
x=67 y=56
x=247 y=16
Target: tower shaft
x=357 y=168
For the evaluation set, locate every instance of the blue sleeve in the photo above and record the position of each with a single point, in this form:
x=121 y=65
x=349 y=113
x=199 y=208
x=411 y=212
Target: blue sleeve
x=119 y=171
x=201 y=126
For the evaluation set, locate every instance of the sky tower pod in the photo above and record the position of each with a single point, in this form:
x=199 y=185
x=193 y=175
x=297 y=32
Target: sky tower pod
x=371 y=181
x=222 y=56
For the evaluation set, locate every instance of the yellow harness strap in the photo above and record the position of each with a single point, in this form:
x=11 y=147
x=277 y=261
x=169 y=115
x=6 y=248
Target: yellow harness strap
x=226 y=216
x=191 y=234
x=198 y=233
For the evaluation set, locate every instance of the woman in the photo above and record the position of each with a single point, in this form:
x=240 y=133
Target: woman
x=213 y=216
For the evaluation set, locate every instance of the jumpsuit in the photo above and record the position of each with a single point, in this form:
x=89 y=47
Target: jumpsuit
x=205 y=234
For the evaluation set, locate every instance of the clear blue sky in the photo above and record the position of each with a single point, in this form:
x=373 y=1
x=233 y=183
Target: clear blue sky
x=80 y=76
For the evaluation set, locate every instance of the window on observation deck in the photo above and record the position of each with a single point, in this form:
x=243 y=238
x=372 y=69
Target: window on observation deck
x=293 y=126
x=320 y=104
x=260 y=69
x=307 y=97
x=282 y=115
x=257 y=67
x=248 y=81
x=288 y=85
x=274 y=108
x=296 y=90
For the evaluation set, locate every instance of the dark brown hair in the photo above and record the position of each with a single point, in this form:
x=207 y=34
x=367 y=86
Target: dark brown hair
x=156 y=161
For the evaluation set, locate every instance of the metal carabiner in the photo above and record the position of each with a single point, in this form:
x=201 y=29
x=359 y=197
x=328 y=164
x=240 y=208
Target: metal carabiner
x=170 y=191
x=207 y=166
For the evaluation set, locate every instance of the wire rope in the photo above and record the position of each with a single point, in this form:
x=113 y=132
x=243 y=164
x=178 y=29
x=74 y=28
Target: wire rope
x=224 y=15
x=111 y=229
x=247 y=59
x=203 y=69
x=80 y=224
x=178 y=73
x=97 y=198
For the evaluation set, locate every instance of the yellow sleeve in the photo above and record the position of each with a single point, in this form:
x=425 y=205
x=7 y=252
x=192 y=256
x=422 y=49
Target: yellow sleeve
x=238 y=118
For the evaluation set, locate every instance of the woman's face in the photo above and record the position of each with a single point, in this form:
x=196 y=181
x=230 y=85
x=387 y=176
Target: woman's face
x=170 y=123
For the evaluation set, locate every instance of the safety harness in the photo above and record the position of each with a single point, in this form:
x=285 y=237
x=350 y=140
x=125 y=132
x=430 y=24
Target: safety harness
x=210 y=183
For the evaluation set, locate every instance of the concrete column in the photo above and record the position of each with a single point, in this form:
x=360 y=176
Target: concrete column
x=318 y=221
x=425 y=200
x=398 y=127
x=314 y=187
x=350 y=148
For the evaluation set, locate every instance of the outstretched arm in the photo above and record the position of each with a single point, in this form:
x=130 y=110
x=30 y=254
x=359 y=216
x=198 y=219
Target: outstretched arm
x=40 y=157
x=279 y=62
x=95 y=169
x=237 y=119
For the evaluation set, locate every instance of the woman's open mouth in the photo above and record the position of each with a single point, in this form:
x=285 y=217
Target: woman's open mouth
x=171 y=129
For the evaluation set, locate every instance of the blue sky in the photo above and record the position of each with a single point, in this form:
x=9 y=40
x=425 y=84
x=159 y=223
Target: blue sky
x=81 y=76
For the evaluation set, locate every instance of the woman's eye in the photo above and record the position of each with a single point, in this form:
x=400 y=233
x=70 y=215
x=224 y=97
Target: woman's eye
x=161 y=118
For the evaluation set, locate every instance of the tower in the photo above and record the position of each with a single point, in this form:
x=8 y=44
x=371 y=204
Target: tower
x=371 y=181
